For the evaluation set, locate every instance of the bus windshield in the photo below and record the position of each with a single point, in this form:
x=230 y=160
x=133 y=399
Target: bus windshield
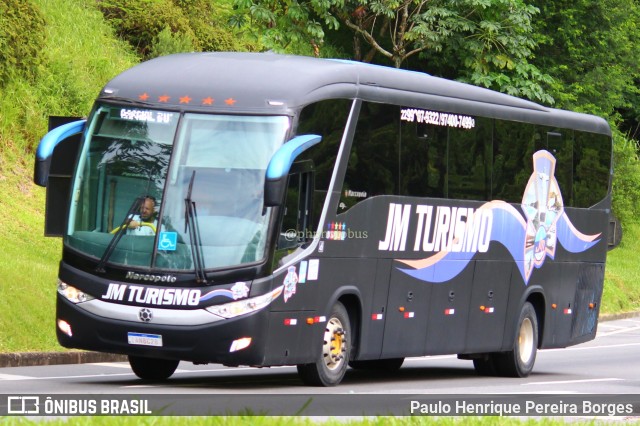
x=173 y=191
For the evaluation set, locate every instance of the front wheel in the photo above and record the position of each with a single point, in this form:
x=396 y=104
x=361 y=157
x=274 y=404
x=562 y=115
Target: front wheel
x=153 y=368
x=331 y=364
x=519 y=361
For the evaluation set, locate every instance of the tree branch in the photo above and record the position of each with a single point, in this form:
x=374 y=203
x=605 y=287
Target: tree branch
x=368 y=37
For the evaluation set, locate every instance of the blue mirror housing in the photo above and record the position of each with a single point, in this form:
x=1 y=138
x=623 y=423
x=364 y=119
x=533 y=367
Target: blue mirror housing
x=48 y=144
x=280 y=164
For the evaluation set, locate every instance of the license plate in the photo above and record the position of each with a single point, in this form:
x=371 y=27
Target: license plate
x=144 y=339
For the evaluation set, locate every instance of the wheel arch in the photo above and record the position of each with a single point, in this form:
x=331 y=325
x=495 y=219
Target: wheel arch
x=537 y=300
x=351 y=298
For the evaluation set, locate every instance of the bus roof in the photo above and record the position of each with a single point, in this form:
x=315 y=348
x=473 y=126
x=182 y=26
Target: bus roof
x=268 y=83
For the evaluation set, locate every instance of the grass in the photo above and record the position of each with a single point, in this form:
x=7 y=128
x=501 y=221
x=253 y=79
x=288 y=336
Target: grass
x=622 y=275
x=82 y=55
x=297 y=421
x=27 y=266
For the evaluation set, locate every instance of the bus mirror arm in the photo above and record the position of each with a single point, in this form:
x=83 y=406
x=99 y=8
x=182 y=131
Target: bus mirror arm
x=48 y=144
x=278 y=169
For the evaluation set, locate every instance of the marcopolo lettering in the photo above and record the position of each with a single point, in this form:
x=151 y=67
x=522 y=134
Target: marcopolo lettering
x=152 y=295
x=150 y=277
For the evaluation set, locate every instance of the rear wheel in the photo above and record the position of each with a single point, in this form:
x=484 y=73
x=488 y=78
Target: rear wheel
x=331 y=364
x=153 y=368
x=519 y=361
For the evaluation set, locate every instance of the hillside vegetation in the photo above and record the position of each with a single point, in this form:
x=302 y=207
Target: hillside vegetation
x=55 y=56
x=78 y=54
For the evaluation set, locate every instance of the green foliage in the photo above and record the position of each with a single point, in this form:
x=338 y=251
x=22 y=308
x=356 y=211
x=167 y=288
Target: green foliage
x=209 y=21
x=488 y=43
x=626 y=182
x=21 y=39
x=590 y=48
x=621 y=292
x=140 y=21
x=168 y=42
x=156 y=27
x=285 y=26
x=78 y=56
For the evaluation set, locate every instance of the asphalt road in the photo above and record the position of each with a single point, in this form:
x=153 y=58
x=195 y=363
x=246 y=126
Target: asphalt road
x=608 y=366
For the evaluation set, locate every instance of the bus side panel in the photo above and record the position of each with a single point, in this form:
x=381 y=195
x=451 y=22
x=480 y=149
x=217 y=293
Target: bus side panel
x=488 y=309
x=573 y=300
x=407 y=316
x=449 y=314
x=587 y=302
x=289 y=338
x=371 y=334
x=299 y=316
x=559 y=281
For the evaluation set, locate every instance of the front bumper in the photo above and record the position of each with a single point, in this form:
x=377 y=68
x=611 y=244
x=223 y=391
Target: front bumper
x=198 y=341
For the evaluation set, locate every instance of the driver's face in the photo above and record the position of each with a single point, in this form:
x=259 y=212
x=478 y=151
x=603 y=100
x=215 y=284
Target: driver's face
x=146 y=210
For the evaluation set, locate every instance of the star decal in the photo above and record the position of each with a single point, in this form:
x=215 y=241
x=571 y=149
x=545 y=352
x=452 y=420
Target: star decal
x=144 y=96
x=164 y=98
x=208 y=101
x=185 y=99
x=230 y=101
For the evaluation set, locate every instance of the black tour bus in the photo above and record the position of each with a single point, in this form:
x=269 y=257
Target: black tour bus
x=324 y=214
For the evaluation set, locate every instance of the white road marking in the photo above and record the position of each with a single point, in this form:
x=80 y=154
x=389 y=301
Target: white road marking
x=624 y=330
x=584 y=348
x=563 y=382
x=14 y=377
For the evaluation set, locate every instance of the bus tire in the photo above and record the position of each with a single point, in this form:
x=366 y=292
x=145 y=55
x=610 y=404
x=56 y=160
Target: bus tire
x=519 y=361
x=485 y=366
x=331 y=363
x=153 y=368
x=389 y=365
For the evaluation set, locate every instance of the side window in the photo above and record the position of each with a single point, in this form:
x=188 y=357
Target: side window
x=513 y=147
x=559 y=142
x=418 y=153
x=374 y=158
x=423 y=156
x=591 y=168
x=295 y=228
x=327 y=119
x=470 y=161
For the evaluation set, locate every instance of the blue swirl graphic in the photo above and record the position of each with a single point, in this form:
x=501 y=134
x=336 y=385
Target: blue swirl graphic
x=509 y=231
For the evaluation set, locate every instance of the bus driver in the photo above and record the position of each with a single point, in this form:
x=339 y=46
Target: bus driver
x=145 y=222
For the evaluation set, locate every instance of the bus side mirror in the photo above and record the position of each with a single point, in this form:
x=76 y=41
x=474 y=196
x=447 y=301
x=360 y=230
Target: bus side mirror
x=53 y=169
x=48 y=144
x=614 y=236
x=278 y=169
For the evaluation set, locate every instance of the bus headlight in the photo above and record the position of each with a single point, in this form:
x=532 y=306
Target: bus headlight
x=246 y=306
x=72 y=294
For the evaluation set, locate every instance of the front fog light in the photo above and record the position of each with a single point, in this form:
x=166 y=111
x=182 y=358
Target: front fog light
x=72 y=294
x=65 y=327
x=239 y=344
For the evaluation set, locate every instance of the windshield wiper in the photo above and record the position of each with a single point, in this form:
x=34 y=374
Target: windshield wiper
x=135 y=206
x=191 y=224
